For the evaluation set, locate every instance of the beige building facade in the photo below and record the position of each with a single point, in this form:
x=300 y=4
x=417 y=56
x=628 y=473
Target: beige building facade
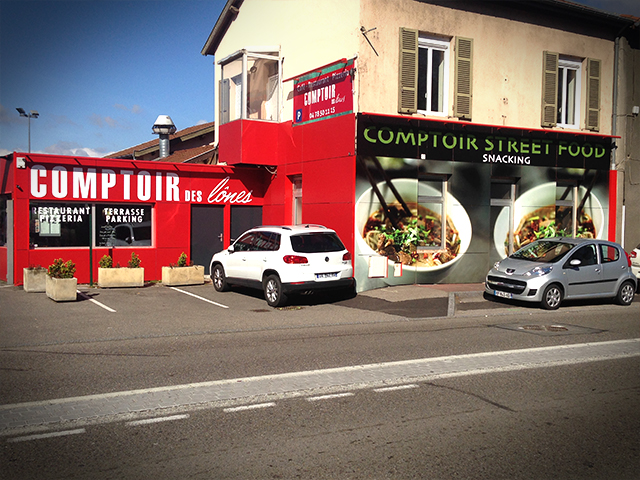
x=546 y=67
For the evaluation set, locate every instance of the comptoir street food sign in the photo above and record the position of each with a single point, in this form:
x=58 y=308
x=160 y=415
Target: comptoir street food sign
x=456 y=141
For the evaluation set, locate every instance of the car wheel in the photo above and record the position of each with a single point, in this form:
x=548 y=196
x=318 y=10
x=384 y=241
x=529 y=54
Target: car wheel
x=625 y=294
x=552 y=297
x=219 y=279
x=273 y=291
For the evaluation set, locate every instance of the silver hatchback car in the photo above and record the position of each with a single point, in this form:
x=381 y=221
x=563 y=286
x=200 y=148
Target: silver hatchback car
x=551 y=270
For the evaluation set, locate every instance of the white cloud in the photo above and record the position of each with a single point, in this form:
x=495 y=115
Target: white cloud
x=74 y=149
x=136 y=109
x=100 y=121
x=4 y=151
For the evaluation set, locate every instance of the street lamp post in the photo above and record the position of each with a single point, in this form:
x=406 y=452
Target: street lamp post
x=30 y=115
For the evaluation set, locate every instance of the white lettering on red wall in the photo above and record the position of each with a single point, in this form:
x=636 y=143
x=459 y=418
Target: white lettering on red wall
x=116 y=185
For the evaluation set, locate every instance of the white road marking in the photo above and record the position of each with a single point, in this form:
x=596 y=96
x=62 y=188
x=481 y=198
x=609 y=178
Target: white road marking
x=249 y=407
x=199 y=297
x=397 y=387
x=330 y=396
x=148 y=421
x=46 y=435
x=87 y=297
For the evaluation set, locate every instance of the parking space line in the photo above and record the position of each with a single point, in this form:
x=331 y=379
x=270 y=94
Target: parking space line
x=199 y=297
x=87 y=297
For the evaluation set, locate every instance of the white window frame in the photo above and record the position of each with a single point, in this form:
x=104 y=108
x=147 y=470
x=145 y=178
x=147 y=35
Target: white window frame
x=431 y=44
x=564 y=66
x=241 y=82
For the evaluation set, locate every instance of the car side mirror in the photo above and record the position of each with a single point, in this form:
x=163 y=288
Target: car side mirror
x=575 y=262
x=231 y=249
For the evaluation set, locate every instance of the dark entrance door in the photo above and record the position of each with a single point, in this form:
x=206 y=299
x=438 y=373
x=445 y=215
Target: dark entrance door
x=207 y=225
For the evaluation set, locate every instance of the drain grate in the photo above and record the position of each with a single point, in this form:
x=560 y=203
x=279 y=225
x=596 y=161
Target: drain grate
x=545 y=328
x=549 y=330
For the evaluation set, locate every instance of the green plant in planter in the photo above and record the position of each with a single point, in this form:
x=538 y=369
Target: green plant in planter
x=182 y=260
x=106 y=262
x=134 y=262
x=61 y=269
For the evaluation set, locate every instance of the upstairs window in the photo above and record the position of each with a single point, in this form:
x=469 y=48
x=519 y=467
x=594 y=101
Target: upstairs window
x=424 y=77
x=433 y=81
x=563 y=95
x=250 y=85
x=569 y=74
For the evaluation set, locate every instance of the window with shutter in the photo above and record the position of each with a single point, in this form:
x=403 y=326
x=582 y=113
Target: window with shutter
x=463 y=78
x=593 y=94
x=550 y=89
x=408 y=72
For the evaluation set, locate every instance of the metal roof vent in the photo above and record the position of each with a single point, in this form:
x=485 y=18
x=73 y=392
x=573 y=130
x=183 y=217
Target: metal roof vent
x=164 y=127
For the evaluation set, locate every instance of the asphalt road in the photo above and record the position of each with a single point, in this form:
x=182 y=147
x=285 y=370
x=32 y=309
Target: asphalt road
x=562 y=420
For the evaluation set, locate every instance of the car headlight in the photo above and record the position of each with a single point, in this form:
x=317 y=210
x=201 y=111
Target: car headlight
x=496 y=265
x=538 y=271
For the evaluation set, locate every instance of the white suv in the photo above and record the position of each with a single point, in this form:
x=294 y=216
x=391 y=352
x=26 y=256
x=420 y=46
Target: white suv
x=282 y=260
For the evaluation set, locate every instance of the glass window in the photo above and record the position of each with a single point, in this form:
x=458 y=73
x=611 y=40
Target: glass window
x=433 y=75
x=609 y=253
x=3 y=221
x=569 y=73
x=59 y=224
x=586 y=255
x=123 y=225
x=316 y=243
x=250 y=86
x=266 y=241
x=244 y=243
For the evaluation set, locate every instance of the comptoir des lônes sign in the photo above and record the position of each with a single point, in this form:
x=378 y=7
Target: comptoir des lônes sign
x=323 y=93
x=56 y=182
x=466 y=142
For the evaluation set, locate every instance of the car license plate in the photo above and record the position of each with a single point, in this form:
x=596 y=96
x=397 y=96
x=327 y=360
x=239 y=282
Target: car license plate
x=498 y=293
x=324 y=276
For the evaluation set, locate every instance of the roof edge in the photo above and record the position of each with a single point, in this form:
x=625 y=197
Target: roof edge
x=228 y=15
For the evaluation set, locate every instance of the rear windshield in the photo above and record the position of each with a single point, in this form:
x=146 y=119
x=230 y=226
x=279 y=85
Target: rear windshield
x=316 y=243
x=543 y=251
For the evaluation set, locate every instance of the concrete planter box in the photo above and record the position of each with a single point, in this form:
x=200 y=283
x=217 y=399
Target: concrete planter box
x=34 y=279
x=193 y=275
x=61 y=289
x=120 y=277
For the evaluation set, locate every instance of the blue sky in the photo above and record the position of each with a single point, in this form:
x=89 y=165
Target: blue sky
x=100 y=72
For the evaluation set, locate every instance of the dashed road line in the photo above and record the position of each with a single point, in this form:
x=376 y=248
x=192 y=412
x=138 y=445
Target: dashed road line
x=396 y=387
x=329 y=397
x=199 y=297
x=40 y=436
x=249 y=391
x=148 y=421
x=255 y=406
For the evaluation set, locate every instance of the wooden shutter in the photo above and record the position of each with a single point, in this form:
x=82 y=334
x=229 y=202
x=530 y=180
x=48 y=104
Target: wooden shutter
x=463 y=78
x=550 y=88
x=593 y=94
x=408 y=72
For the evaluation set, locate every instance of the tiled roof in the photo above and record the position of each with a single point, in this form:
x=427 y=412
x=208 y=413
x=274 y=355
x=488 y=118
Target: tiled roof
x=155 y=144
x=202 y=154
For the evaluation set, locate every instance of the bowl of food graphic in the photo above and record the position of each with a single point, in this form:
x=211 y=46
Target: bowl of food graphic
x=413 y=238
x=534 y=216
